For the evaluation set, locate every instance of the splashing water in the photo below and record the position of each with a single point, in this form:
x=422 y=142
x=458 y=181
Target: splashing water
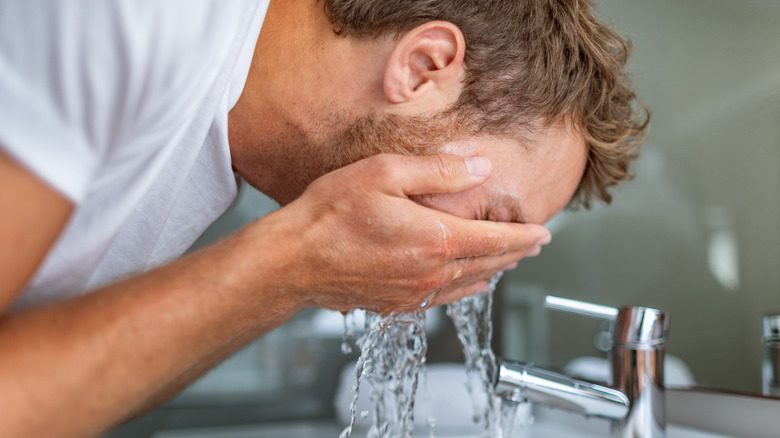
x=392 y=352
x=473 y=321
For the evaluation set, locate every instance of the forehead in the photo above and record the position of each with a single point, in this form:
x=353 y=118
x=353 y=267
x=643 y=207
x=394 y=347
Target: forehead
x=533 y=176
x=536 y=176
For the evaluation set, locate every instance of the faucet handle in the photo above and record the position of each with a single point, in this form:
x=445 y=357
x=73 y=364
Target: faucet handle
x=633 y=327
x=581 y=308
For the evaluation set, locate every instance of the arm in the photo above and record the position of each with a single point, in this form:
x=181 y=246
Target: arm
x=26 y=203
x=75 y=368
x=78 y=367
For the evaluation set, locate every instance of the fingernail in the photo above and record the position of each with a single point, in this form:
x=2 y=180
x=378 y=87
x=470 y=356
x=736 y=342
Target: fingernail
x=510 y=266
x=544 y=240
x=534 y=252
x=478 y=166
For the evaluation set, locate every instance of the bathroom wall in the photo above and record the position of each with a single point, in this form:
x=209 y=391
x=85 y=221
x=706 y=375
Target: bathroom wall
x=698 y=232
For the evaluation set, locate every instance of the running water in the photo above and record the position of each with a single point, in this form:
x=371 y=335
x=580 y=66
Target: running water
x=393 y=351
x=350 y=328
x=473 y=321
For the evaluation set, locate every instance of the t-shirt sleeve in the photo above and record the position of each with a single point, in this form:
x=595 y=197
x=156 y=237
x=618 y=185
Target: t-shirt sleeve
x=42 y=103
x=81 y=78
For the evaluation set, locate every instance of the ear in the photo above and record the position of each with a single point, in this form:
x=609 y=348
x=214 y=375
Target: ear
x=425 y=64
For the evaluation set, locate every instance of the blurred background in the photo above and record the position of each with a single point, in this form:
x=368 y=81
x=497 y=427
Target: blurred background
x=697 y=234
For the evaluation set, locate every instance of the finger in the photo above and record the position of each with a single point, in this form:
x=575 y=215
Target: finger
x=421 y=175
x=473 y=275
x=476 y=276
x=452 y=294
x=470 y=238
x=485 y=267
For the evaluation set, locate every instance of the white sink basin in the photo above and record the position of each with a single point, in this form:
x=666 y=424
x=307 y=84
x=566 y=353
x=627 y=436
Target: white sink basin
x=552 y=424
x=741 y=416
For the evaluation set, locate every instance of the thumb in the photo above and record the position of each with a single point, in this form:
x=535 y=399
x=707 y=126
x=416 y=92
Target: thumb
x=415 y=175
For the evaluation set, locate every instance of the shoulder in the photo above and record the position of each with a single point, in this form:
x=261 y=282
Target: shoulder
x=80 y=77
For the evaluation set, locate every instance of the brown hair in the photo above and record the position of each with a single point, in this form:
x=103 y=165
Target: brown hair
x=528 y=61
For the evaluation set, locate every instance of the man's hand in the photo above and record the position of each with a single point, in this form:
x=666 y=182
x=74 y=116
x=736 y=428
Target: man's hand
x=361 y=242
x=353 y=240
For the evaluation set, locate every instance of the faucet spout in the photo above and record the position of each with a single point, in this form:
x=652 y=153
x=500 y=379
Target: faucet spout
x=634 y=400
x=520 y=381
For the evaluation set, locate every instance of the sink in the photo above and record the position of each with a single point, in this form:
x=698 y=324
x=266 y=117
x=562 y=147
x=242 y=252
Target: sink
x=282 y=430
x=690 y=412
x=546 y=426
x=547 y=423
x=552 y=423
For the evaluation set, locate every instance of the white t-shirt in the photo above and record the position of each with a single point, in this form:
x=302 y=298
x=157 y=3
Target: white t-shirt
x=121 y=105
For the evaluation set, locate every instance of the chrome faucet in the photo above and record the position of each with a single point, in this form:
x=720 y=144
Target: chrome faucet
x=634 y=400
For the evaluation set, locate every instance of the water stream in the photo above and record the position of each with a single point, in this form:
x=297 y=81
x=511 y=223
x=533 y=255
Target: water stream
x=473 y=321
x=393 y=352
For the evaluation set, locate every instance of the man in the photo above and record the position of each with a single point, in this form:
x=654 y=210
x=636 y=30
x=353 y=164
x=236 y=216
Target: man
x=123 y=123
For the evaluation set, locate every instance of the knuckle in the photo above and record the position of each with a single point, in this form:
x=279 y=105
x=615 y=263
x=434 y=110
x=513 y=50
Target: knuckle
x=384 y=167
x=433 y=281
x=498 y=242
x=443 y=243
x=458 y=271
x=446 y=252
x=446 y=168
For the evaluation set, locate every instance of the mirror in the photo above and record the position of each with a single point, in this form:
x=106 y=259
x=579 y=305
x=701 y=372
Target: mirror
x=697 y=234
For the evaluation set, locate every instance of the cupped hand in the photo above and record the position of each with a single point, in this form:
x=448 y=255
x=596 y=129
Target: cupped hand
x=357 y=240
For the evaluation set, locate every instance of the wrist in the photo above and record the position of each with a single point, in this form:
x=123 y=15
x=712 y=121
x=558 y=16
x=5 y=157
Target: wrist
x=263 y=267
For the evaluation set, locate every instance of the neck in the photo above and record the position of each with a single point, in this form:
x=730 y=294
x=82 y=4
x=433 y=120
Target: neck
x=258 y=125
x=304 y=82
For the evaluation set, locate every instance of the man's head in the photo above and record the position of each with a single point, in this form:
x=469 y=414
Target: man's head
x=527 y=63
x=538 y=85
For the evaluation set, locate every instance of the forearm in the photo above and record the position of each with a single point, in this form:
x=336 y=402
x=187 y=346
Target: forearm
x=354 y=239
x=186 y=378
x=75 y=368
